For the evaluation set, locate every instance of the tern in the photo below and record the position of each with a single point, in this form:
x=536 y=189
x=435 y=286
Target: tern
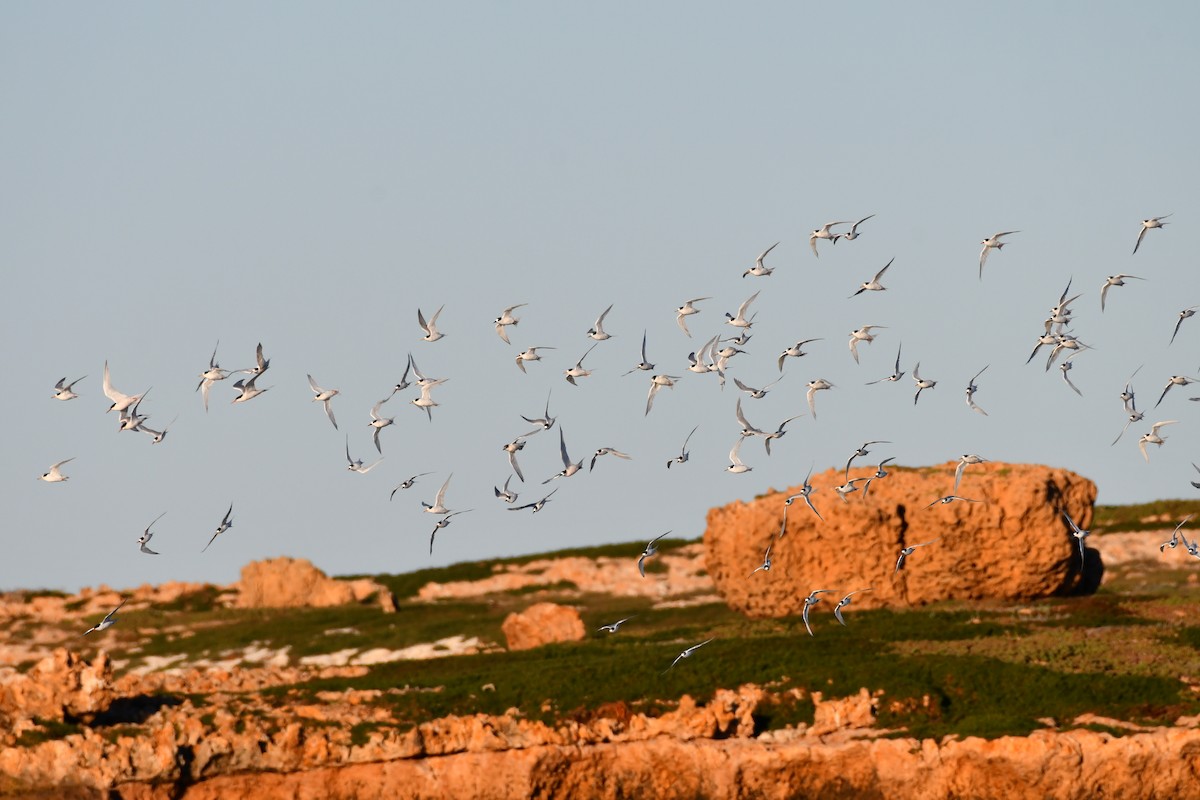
x=823 y=232
x=504 y=494
x=657 y=382
x=530 y=355
x=355 y=465
x=379 y=422
x=756 y=394
x=908 y=551
x=644 y=365
x=991 y=243
x=63 y=389
x=442 y=523
x=760 y=269
x=649 y=551
x=607 y=451
x=806 y=492
x=972 y=389
x=120 y=402
x=261 y=364
x=686 y=310
x=226 y=524
x=862 y=451
x=874 y=285
x=1066 y=367
x=880 y=472
x=425 y=402
x=147 y=535
x=1134 y=416
x=1193 y=548
x=613 y=626
x=578 y=371
x=569 y=468
x=1187 y=312
x=432 y=334
x=1044 y=340
x=683 y=451
x=1147 y=224
x=1176 y=380
x=511 y=448
x=1194 y=483
x=736 y=466
x=742 y=338
x=697 y=359
x=778 y=433
x=211 y=375
x=1064 y=342
x=53 y=475
x=818 y=385
x=130 y=419
x=845 y=601
x=438 y=507
x=109 y=620
x=1153 y=438
x=853 y=233
x=896 y=373
x=765 y=566
x=795 y=351
x=950 y=498
x=404 y=384
x=544 y=423
x=537 y=506
x=1114 y=280
x=1080 y=534
x=685 y=654
x=158 y=436
x=747 y=428
x=963 y=461
x=597 y=330
x=323 y=396
x=740 y=320
x=422 y=380
x=811 y=601
x=248 y=390
x=407 y=484
x=863 y=334
x=922 y=383
x=847 y=488
x=1174 y=540
x=505 y=319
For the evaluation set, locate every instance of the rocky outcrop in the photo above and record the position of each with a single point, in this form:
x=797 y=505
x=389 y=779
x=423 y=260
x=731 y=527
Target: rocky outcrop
x=295 y=582
x=60 y=687
x=1013 y=544
x=542 y=623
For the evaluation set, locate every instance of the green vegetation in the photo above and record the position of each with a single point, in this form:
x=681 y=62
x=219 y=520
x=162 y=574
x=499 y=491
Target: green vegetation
x=47 y=730
x=1143 y=516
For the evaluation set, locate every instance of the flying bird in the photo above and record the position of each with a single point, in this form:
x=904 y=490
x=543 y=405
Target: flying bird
x=569 y=468
x=650 y=550
x=991 y=243
x=760 y=269
x=820 y=384
x=811 y=601
x=1149 y=224
x=597 y=330
x=53 y=475
x=972 y=389
x=1153 y=437
x=794 y=351
x=432 y=334
x=356 y=465
x=1114 y=280
x=438 y=506
x=908 y=551
x=63 y=389
x=845 y=601
x=109 y=620
x=683 y=451
x=407 y=484
x=686 y=310
x=685 y=654
x=505 y=319
x=824 y=232
x=226 y=524
x=874 y=285
x=853 y=233
x=443 y=522
x=863 y=334
x=147 y=535
x=607 y=451
x=922 y=383
x=323 y=396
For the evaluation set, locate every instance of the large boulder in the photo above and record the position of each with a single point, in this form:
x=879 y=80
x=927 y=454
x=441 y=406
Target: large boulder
x=295 y=582
x=1014 y=544
x=62 y=686
x=542 y=623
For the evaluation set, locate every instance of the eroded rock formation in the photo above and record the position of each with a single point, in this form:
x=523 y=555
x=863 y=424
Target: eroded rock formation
x=59 y=687
x=542 y=623
x=294 y=582
x=1013 y=544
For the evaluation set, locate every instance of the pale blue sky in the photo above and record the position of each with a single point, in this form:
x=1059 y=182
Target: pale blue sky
x=309 y=174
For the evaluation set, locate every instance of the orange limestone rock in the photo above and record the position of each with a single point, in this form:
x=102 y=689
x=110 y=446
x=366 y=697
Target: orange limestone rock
x=62 y=686
x=1013 y=543
x=295 y=582
x=542 y=623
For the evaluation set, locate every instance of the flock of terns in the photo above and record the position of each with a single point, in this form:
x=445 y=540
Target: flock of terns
x=712 y=358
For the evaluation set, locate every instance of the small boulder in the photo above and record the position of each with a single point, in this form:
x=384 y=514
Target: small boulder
x=542 y=623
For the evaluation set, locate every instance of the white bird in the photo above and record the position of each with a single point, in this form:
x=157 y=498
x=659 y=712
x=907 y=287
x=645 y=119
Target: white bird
x=597 y=330
x=756 y=394
x=1153 y=438
x=544 y=423
x=847 y=488
x=1147 y=224
x=158 y=436
x=649 y=551
x=261 y=363
x=379 y=422
x=950 y=498
x=863 y=334
x=820 y=384
x=766 y=564
x=248 y=390
x=432 y=334
x=880 y=472
x=120 y=402
x=443 y=522
x=211 y=375
x=697 y=360
x=425 y=401
x=896 y=373
x=991 y=243
x=845 y=601
x=873 y=285
x=578 y=371
x=685 y=654
x=323 y=396
x=736 y=466
x=922 y=383
x=795 y=351
x=778 y=433
x=747 y=428
x=537 y=506
x=686 y=310
x=1176 y=380
x=963 y=461
x=1194 y=483
x=811 y=601
x=760 y=269
x=63 y=389
x=908 y=551
x=1080 y=534
x=512 y=448
x=823 y=232
x=109 y=620
x=613 y=626
x=740 y=320
x=1187 y=312
x=1066 y=367
x=1174 y=540
x=853 y=233
x=644 y=365
x=130 y=419
x=1193 y=548
x=147 y=535
x=504 y=494
x=1046 y=339
x=355 y=465
x=1114 y=280
x=53 y=475
x=861 y=452
x=742 y=338
x=683 y=451
x=404 y=384
x=407 y=484
x=972 y=389
x=657 y=382
x=226 y=524
x=438 y=506
x=569 y=467
x=806 y=492
x=530 y=355
x=607 y=451
x=505 y=319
